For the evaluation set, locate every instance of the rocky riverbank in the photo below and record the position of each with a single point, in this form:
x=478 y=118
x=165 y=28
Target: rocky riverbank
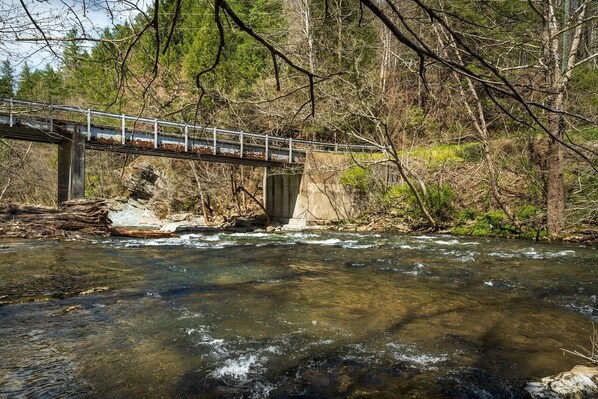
x=581 y=382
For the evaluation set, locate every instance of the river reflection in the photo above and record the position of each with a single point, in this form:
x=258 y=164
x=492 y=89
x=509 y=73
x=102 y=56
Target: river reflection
x=290 y=315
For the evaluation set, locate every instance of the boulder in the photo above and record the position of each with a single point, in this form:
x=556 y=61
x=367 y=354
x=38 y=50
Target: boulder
x=580 y=382
x=132 y=215
x=180 y=217
x=195 y=224
x=141 y=181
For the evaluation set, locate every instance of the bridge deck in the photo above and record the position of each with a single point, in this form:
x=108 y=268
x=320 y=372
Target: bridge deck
x=22 y=120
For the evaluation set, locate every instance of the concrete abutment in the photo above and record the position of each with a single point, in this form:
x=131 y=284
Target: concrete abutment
x=311 y=195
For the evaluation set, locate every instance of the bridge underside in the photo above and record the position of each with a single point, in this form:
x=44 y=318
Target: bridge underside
x=127 y=149
x=72 y=146
x=307 y=191
x=295 y=194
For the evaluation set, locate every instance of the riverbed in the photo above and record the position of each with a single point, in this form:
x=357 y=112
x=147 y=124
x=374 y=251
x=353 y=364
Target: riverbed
x=290 y=315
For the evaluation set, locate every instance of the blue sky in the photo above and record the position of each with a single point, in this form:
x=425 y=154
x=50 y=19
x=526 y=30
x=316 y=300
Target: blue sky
x=55 y=18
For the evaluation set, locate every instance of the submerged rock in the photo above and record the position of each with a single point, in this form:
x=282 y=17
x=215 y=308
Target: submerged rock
x=68 y=309
x=580 y=382
x=94 y=290
x=471 y=382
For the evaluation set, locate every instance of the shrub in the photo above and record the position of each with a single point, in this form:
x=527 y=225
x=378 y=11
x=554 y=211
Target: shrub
x=358 y=178
x=467 y=215
x=528 y=213
x=493 y=224
x=360 y=182
x=470 y=152
x=438 y=200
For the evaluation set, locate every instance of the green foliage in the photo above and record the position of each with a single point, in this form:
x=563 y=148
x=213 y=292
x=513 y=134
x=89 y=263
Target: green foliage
x=585 y=78
x=528 y=213
x=41 y=85
x=7 y=79
x=243 y=61
x=492 y=224
x=438 y=200
x=415 y=117
x=467 y=215
x=396 y=193
x=497 y=224
x=357 y=178
x=470 y=152
x=26 y=83
x=439 y=155
x=588 y=133
x=93 y=185
x=584 y=83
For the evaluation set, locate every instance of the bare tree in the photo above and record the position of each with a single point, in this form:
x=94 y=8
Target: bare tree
x=563 y=30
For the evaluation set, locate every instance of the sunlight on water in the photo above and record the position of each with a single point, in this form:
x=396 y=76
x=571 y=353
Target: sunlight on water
x=258 y=315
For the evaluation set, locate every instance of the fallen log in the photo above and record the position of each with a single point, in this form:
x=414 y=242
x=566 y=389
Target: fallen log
x=122 y=232
x=75 y=217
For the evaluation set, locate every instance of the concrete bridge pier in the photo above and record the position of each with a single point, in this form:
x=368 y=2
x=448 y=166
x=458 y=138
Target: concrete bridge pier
x=281 y=193
x=311 y=195
x=71 y=168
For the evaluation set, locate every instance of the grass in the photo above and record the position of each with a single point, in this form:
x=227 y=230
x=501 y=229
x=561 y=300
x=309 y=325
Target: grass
x=437 y=156
x=586 y=133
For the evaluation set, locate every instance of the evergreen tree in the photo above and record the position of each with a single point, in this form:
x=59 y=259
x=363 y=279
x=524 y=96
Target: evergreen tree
x=51 y=87
x=26 y=83
x=7 y=80
x=73 y=53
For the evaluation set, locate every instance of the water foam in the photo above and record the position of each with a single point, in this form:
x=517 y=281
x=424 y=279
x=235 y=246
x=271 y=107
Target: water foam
x=352 y=244
x=250 y=235
x=408 y=354
x=327 y=242
x=532 y=253
x=217 y=346
x=237 y=369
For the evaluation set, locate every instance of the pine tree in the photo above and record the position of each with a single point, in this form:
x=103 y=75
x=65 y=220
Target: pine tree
x=7 y=80
x=26 y=83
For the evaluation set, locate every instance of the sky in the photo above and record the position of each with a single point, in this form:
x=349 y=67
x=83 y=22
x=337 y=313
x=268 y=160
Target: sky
x=55 y=18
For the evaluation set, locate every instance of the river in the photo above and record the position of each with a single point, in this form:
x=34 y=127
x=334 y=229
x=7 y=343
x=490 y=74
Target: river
x=290 y=315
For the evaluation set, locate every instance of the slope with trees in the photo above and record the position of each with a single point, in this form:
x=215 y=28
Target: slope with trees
x=511 y=82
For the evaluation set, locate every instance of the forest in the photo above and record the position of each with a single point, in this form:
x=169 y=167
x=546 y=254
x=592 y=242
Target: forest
x=485 y=112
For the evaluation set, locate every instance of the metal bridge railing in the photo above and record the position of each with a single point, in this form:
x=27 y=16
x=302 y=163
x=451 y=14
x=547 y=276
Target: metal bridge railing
x=129 y=125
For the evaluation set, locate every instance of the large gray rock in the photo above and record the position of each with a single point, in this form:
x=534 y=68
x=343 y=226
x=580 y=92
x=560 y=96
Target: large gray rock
x=580 y=382
x=130 y=215
x=195 y=224
x=140 y=181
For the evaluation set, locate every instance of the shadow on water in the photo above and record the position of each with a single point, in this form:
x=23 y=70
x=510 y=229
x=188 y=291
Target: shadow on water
x=332 y=317
x=332 y=373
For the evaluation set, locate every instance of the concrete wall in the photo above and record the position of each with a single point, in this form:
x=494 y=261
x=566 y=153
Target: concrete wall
x=315 y=195
x=281 y=194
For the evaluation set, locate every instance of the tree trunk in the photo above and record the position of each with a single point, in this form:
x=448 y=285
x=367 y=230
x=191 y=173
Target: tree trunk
x=201 y=196
x=555 y=192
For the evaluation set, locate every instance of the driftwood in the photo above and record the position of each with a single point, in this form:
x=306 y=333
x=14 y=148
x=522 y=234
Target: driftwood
x=122 y=232
x=75 y=217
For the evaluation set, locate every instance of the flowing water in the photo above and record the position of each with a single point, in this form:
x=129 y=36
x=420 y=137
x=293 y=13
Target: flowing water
x=306 y=315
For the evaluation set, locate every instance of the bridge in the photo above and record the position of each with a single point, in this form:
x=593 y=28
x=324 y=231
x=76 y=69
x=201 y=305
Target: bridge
x=76 y=129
